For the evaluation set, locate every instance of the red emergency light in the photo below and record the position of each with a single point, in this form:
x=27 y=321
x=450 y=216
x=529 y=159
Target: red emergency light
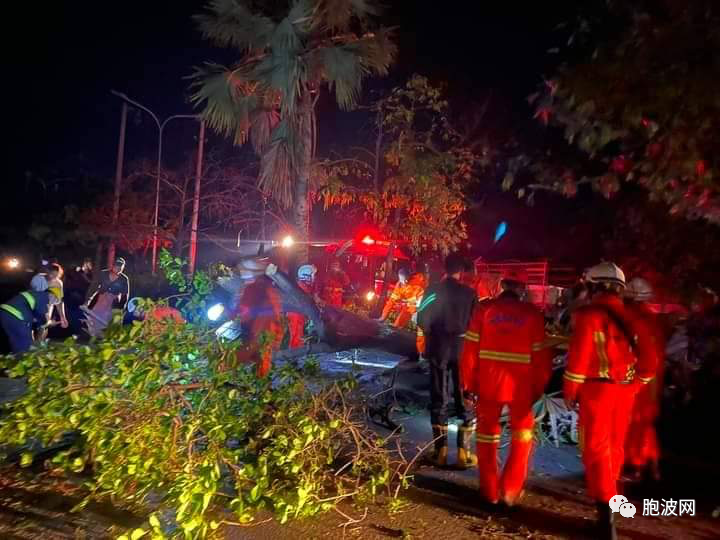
x=369 y=240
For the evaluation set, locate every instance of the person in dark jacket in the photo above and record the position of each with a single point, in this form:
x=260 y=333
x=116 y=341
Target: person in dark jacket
x=18 y=315
x=443 y=317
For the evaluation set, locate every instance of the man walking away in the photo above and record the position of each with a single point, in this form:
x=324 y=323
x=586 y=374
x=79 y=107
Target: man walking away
x=603 y=370
x=443 y=316
x=642 y=451
x=504 y=363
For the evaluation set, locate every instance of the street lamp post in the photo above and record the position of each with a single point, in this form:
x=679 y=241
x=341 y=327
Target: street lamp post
x=161 y=128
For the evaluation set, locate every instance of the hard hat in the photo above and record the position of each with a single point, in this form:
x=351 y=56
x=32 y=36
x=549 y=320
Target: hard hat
x=639 y=290
x=606 y=272
x=133 y=304
x=39 y=283
x=306 y=272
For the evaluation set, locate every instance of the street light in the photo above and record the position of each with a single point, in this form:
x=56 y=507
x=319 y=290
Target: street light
x=161 y=127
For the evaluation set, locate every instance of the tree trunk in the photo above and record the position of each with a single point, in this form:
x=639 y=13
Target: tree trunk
x=301 y=187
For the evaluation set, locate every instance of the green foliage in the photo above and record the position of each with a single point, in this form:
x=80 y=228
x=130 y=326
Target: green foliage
x=194 y=289
x=425 y=171
x=289 y=49
x=168 y=420
x=643 y=105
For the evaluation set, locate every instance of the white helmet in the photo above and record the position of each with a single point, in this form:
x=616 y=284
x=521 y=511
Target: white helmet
x=639 y=290
x=306 y=272
x=606 y=272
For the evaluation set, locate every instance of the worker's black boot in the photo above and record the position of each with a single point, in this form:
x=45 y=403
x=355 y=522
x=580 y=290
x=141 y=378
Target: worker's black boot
x=466 y=457
x=440 y=436
x=606 y=522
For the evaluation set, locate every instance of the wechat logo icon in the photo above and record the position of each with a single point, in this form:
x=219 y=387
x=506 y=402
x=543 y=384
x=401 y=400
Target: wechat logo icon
x=620 y=504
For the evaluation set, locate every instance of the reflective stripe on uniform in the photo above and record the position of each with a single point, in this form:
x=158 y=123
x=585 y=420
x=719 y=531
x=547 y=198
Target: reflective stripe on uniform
x=646 y=380
x=538 y=346
x=12 y=310
x=488 y=438
x=522 y=435
x=574 y=377
x=472 y=336
x=420 y=332
x=427 y=301
x=501 y=356
x=600 y=348
x=29 y=298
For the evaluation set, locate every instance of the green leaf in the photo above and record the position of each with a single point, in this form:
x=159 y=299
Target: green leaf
x=137 y=534
x=155 y=522
x=26 y=459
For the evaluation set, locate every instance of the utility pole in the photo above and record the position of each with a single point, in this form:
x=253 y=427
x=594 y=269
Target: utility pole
x=161 y=127
x=196 y=200
x=118 y=183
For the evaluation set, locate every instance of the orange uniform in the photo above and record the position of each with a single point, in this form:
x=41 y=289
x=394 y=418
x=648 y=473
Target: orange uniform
x=296 y=321
x=404 y=300
x=165 y=314
x=641 y=445
x=604 y=365
x=504 y=363
x=334 y=288
x=260 y=310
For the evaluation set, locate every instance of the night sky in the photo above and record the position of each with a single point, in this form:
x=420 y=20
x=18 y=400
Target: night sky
x=61 y=108
x=64 y=121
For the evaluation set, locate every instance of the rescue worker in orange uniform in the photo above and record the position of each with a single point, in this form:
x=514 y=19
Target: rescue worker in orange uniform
x=259 y=311
x=404 y=298
x=157 y=316
x=296 y=321
x=606 y=364
x=334 y=285
x=443 y=316
x=642 y=451
x=504 y=363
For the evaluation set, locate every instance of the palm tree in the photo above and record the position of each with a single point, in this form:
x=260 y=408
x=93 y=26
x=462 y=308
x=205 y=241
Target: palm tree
x=289 y=50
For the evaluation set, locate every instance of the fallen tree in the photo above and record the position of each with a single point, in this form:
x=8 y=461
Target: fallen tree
x=336 y=329
x=168 y=422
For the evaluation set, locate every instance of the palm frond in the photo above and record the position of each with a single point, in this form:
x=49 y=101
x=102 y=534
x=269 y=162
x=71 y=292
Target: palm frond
x=345 y=66
x=276 y=171
x=377 y=51
x=340 y=14
x=228 y=100
x=344 y=73
x=229 y=23
x=262 y=124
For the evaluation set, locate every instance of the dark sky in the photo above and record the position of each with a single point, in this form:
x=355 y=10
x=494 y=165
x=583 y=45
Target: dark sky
x=62 y=120
x=60 y=111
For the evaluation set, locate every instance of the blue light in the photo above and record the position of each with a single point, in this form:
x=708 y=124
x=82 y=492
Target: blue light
x=500 y=231
x=215 y=312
